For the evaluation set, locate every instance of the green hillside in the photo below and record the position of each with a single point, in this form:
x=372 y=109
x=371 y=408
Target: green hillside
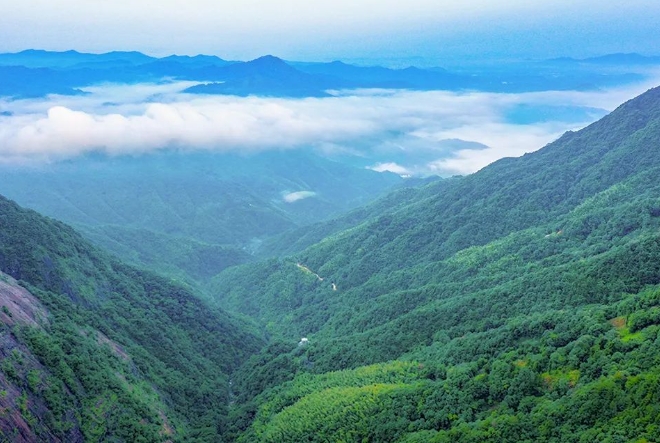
x=177 y=256
x=298 y=239
x=516 y=304
x=189 y=213
x=100 y=351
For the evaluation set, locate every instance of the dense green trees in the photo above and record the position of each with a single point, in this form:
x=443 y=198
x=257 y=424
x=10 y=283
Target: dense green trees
x=126 y=350
x=527 y=292
x=519 y=304
x=565 y=384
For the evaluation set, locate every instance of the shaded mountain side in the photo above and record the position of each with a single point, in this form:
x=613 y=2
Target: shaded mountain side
x=193 y=213
x=22 y=376
x=501 y=301
x=179 y=257
x=53 y=391
x=123 y=351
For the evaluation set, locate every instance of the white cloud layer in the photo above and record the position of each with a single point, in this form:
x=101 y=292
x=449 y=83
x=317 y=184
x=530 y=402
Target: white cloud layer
x=391 y=167
x=388 y=125
x=293 y=197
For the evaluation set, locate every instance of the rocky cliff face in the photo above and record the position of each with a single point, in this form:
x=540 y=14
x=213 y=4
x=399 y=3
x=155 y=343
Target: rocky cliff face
x=24 y=381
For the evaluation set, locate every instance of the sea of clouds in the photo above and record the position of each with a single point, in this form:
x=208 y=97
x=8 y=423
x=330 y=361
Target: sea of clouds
x=407 y=132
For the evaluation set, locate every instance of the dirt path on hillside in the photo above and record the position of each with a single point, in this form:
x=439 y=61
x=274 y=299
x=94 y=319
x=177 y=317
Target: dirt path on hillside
x=306 y=270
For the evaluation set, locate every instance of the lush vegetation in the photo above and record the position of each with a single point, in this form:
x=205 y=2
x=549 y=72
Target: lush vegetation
x=525 y=295
x=190 y=214
x=518 y=304
x=569 y=376
x=172 y=354
x=185 y=258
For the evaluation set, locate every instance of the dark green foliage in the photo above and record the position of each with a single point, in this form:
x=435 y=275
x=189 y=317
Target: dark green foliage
x=519 y=304
x=566 y=375
x=528 y=292
x=99 y=386
x=179 y=350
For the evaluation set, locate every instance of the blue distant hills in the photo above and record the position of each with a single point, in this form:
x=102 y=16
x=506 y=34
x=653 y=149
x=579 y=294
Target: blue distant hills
x=36 y=73
x=614 y=59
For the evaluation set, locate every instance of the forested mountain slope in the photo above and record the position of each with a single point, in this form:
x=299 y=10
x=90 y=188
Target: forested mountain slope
x=298 y=239
x=516 y=304
x=508 y=196
x=94 y=349
x=191 y=213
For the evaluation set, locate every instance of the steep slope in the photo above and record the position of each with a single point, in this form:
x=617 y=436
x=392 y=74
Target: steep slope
x=510 y=195
x=20 y=369
x=516 y=304
x=296 y=240
x=100 y=349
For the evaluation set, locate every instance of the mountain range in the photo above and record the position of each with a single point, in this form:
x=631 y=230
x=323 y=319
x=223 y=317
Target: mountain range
x=482 y=308
x=520 y=303
x=37 y=73
x=192 y=214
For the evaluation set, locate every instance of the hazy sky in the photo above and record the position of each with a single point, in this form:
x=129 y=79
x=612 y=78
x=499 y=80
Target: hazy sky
x=346 y=29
